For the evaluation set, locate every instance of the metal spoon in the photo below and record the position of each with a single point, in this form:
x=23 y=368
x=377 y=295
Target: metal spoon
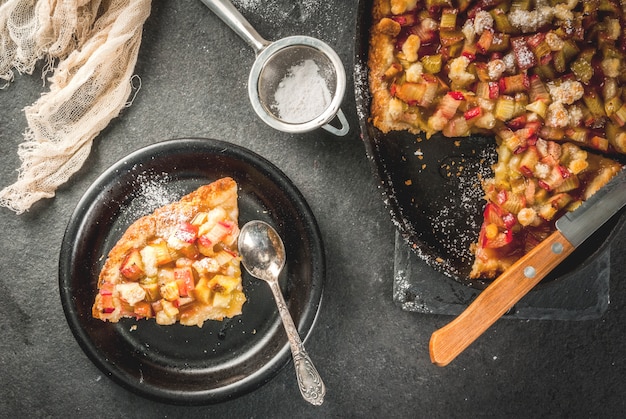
x=263 y=256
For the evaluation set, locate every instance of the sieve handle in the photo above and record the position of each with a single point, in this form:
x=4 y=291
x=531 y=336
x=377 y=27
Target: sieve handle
x=225 y=10
x=344 y=127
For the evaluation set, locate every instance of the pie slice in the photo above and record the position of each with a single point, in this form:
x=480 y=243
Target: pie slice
x=179 y=263
x=530 y=190
x=545 y=77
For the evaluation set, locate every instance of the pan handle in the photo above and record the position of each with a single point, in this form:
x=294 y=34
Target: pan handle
x=495 y=300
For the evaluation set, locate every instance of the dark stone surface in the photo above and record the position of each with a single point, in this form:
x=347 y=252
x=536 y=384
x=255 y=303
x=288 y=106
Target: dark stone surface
x=372 y=355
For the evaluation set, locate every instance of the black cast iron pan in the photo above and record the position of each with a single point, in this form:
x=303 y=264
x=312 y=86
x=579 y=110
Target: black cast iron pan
x=432 y=187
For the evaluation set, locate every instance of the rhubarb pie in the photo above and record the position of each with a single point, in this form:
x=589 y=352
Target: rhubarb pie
x=545 y=77
x=179 y=263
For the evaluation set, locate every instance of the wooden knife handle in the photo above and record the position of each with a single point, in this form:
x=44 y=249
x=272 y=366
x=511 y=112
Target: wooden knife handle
x=495 y=300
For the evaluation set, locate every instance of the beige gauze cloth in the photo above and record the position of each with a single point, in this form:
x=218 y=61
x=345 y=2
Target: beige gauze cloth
x=90 y=47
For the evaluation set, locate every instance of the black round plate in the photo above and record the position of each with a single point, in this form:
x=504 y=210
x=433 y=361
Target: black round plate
x=432 y=187
x=179 y=364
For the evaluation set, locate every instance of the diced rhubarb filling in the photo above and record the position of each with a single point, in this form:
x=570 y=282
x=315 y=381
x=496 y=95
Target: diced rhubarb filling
x=504 y=60
x=175 y=278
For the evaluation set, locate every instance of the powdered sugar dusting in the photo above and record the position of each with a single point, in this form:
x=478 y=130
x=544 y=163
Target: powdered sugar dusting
x=530 y=21
x=276 y=11
x=302 y=95
x=525 y=57
x=153 y=192
x=458 y=223
x=150 y=191
x=362 y=88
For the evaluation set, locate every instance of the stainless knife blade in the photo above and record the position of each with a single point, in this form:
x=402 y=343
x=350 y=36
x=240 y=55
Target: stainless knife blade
x=503 y=293
x=581 y=223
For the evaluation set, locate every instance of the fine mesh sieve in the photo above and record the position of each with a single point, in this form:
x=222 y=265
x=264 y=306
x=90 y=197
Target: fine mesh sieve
x=273 y=64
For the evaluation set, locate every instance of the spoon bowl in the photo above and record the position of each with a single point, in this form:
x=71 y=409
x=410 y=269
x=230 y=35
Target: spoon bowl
x=263 y=249
x=263 y=256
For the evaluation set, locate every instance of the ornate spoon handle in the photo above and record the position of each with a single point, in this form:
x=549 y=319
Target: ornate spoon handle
x=309 y=381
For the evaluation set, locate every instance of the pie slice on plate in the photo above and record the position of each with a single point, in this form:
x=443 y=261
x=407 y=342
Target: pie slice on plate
x=546 y=78
x=179 y=263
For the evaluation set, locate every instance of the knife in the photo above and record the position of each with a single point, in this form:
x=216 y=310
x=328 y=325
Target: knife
x=572 y=229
